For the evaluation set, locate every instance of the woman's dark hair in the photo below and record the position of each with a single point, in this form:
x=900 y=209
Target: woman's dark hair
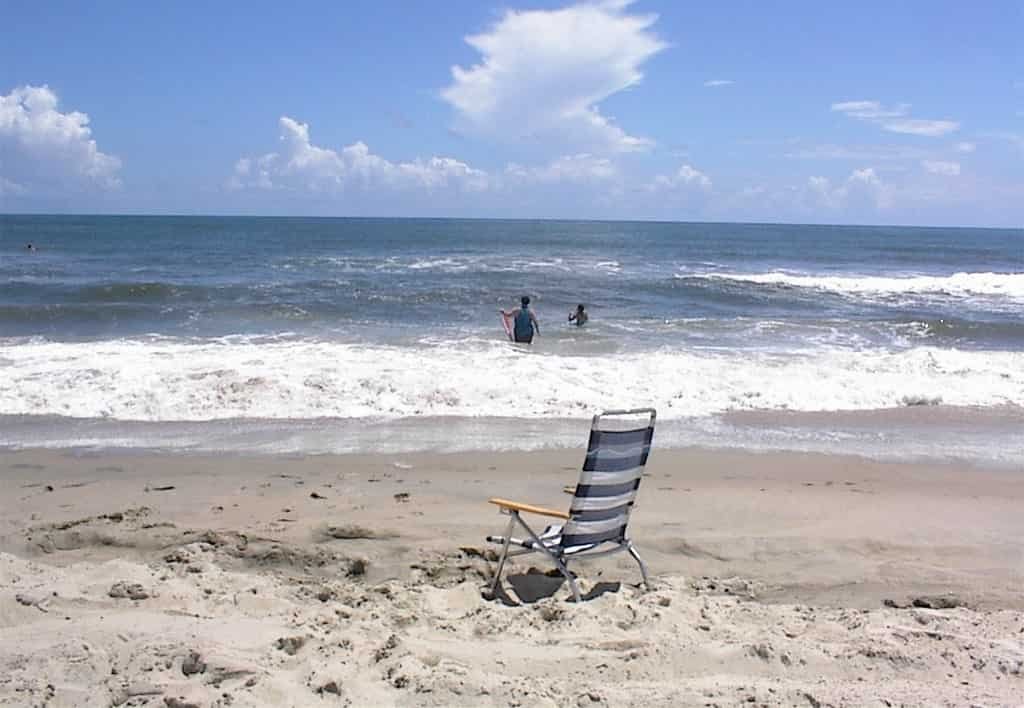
x=579 y=307
x=525 y=299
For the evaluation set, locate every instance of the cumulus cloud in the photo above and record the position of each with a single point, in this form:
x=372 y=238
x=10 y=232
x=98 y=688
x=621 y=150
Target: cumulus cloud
x=894 y=118
x=542 y=74
x=43 y=150
x=862 y=187
x=941 y=167
x=581 y=168
x=861 y=195
x=686 y=176
x=302 y=166
x=715 y=83
x=964 y=147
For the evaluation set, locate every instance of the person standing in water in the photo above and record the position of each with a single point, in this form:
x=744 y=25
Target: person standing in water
x=525 y=323
x=580 y=317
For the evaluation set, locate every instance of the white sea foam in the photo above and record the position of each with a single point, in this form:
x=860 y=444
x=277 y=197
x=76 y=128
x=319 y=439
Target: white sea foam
x=445 y=264
x=1010 y=285
x=237 y=378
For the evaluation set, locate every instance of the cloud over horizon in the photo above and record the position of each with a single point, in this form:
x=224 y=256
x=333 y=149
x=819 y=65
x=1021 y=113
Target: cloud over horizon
x=862 y=186
x=300 y=170
x=686 y=176
x=43 y=151
x=302 y=166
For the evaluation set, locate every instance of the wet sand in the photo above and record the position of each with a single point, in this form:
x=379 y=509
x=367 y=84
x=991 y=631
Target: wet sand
x=777 y=579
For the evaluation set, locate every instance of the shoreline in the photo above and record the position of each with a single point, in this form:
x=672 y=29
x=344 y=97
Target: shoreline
x=776 y=578
x=938 y=434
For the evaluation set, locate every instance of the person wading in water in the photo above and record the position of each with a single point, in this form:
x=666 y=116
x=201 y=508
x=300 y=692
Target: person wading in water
x=525 y=323
x=580 y=317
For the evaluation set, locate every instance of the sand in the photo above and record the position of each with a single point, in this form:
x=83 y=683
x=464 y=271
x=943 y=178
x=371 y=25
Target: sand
x=777 y=579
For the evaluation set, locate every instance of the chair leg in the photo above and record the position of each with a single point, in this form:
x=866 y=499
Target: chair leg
x=640 y=562
x=563 y=568
x=504 y=552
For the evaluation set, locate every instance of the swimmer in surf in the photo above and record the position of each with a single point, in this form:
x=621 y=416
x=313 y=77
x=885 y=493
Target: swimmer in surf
x=580 y=317
x=524 y=321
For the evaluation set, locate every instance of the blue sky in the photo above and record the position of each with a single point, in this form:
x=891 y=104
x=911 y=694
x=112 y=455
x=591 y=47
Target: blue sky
x=809 y=112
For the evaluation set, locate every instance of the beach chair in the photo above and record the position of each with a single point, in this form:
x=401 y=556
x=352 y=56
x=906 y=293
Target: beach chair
x=598 y=515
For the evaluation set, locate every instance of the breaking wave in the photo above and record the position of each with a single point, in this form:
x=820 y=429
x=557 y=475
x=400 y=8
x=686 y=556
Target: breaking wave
x=1009 y=285
x=235 y=377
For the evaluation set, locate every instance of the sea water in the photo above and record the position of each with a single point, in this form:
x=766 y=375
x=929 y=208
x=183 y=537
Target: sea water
x=318 y=335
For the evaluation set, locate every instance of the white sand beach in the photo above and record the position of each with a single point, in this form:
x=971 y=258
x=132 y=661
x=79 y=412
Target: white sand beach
x=777 y=579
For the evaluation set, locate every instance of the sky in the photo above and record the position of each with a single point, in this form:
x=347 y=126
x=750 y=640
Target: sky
x=868 y=112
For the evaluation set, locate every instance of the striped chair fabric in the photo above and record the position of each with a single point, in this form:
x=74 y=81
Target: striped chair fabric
x=607 y=488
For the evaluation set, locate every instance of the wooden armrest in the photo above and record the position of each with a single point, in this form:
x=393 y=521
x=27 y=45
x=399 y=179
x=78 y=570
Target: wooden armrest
x=506 y=504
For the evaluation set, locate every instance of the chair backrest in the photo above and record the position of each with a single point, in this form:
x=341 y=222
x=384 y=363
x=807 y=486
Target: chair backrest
x=616 y=455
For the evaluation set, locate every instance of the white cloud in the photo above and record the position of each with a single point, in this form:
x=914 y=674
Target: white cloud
x=858 y=153
x=43 y=150
x=714 y=83
x=9 y=187
x=863 y=187
x=685 y=176
x=543 y=73
x=579 y=168
x=894 y=118
x=863 y=195
x=964 y=147
x=941 y=167
x=302 y=166
x=914 y=126
x=822 y=187
x=870 y=110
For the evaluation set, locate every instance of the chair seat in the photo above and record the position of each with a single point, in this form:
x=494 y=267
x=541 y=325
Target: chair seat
x=552 y=540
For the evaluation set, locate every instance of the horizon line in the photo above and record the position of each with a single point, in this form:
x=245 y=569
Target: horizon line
x=131 y=215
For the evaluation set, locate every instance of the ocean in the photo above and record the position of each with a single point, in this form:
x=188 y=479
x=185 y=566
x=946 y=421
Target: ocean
x=300 y=335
